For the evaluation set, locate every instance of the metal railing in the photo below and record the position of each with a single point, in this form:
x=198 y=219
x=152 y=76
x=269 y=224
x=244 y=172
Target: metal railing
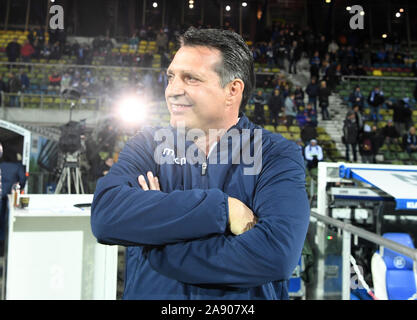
x=381 y=80
x=46 y=101
x=372 y=237
x=346 y=231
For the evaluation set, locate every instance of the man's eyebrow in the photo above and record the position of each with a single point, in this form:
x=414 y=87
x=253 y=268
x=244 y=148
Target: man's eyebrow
x=185 y=72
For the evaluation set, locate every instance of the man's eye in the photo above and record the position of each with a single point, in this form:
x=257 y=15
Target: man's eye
x=190 y=79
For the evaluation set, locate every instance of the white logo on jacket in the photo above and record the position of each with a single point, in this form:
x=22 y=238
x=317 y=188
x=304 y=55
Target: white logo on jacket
x=177 y=160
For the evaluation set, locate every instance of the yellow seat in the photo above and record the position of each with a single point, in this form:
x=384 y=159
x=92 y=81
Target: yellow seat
x=282 y=129
x=269 y=128
x=295 y=129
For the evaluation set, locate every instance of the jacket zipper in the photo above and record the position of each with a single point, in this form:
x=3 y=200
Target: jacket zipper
x=203 y=168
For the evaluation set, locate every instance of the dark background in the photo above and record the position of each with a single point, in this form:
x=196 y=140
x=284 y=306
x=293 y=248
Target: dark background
x=120 y=18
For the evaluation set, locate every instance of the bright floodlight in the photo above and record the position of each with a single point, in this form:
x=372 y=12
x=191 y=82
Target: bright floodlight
x=191 y=6
x=398 y=14
x=328 y=1
x=244 y=4
x=362 y=13
x=155 y=4
x=401 y=10
x=132 y=110
x=384 y=35
x=227 y=8
x=348 y=8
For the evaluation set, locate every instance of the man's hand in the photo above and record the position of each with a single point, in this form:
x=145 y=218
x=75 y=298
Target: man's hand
x=153 y=182
x=241 y=218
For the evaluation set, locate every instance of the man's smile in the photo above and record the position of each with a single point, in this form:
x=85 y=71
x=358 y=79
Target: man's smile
x=179 y=108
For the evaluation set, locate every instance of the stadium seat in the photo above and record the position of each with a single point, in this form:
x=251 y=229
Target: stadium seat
x=281 y=129
x=392 y=273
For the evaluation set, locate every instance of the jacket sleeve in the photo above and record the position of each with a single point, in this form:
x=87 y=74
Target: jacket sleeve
x=21 y=176
x=122 y=213
x=267 y=252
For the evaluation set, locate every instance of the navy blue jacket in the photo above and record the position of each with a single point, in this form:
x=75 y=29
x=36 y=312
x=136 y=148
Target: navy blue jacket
x=11 y=172
x=178 y=242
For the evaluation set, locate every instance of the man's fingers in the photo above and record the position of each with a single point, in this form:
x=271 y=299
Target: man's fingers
x=152 y=181
x=157 y=183
x=142 y=183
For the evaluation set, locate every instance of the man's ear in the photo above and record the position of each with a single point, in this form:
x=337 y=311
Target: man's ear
x=235 y=92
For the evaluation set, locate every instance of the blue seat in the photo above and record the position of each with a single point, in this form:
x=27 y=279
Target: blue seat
x=295 y=286
x=392 y=272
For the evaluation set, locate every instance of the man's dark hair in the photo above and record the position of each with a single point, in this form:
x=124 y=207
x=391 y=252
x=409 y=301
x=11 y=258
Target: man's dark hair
x=237 y=58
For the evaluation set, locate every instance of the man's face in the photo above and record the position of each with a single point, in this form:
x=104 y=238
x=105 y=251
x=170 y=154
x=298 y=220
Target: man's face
x=413 y=130
x=194 y=94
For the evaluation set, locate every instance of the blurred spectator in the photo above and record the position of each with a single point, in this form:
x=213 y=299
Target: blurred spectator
x=15 y=87
x=308 y=132
x=315 y=65
x=290 y=109
x=26 y=52
x=294 y=55
x=357 y=98
x=103 y=168
x=299 y=97
x=37 y=49
x=375 y=100
x=313 y=153
x=13 y=50
x=350 y=135
x=367 y=144
x=55 y=80
x=162 y=41
x=334 y=75
x=270 y=56
x=24 y=80
x=312 y=91
x=332 y=50
x=3 y=89
x=81 y=54
x=300 y=145
x=359 y=118
x=402 y=115
x=367 y=55
x=55 y=51
x=134 y=41
x=324 y=94
x=378 y=139
x=46 y=51
x=410 y=140
x=390 y=134
x=65 y=81
x=281 y=53
x=310 y=115
x=360 y=70
x=275 y=104
x=12 y=172
x=259 y=102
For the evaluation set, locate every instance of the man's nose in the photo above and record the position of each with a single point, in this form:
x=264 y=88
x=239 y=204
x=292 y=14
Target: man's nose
x=175 y=87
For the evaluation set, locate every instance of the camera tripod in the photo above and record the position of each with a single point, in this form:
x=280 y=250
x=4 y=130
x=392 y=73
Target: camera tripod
x=71 y=169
